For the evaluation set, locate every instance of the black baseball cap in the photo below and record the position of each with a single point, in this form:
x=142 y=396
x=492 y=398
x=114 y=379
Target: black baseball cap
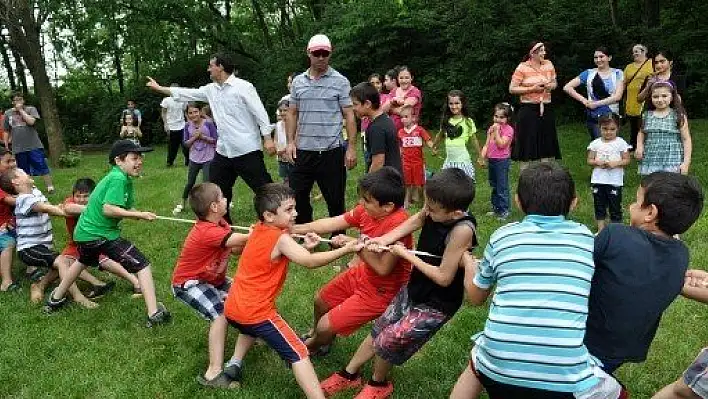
x=121 y=147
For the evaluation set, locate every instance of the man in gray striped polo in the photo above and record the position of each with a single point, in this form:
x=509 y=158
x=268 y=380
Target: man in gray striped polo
x=319 y=102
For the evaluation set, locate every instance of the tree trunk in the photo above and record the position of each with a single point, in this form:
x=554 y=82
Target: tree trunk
x=651 y=13
x=24 y=35
x=119 y=69
x=7 y=63
x=19 y=68
x=262 y=24
x=613 y=13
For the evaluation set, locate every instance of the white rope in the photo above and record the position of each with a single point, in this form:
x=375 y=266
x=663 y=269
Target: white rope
x=247 y=229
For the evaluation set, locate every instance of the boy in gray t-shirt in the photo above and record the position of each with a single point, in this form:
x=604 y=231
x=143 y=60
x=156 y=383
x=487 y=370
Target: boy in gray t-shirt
x=20 y=123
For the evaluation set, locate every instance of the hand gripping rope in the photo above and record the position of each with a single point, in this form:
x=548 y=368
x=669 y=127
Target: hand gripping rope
x=248 y=229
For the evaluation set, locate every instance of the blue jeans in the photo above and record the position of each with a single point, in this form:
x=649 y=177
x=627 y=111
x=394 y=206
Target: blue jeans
x=593 y=128
x=499 y=181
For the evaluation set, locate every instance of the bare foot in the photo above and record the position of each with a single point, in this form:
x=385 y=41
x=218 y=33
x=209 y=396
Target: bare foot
x=36 y=293
x=87 y=303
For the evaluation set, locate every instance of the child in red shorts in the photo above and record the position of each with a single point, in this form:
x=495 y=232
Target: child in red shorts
x=411 y=138
x=261 y=273
x=73 y=206
x=199 y=279
x=363 y=292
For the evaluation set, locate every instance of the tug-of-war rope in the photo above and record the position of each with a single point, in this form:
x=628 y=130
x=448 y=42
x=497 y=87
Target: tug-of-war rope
x=248 y=229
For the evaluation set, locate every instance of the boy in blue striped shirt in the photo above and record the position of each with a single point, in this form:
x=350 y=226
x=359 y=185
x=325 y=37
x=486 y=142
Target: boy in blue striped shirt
x=532 y=343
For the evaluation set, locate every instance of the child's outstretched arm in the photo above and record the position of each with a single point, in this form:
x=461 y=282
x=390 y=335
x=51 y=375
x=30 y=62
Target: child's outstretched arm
x=287 y=247
x=696 y=285
x=237 y=242
x=411 y=224
x=475 y=295
x=116 y=212
x=460 y=240
x=321 y=226
x=46 y=207
x=71 y=209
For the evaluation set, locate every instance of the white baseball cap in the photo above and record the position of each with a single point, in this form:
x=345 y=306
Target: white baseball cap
x=319 y=42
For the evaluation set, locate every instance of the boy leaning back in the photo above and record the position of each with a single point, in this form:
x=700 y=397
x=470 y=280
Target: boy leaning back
x=97 y=231
x=363 y=292
x=640 y=269
x=261 y=273
x=532 y=343
x=435 y=290
x=199 y=279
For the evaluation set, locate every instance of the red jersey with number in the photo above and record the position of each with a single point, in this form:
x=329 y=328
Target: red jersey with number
x=412 y=142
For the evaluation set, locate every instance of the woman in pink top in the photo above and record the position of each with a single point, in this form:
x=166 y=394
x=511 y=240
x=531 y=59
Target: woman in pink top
x=533 y=80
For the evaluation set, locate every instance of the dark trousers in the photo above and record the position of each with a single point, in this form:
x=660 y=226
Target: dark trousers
x=327 y=169
x=174 y=145
x=634 y=124
x=224 y=171
x=194 y=169
x=593 y=128
x=607 y=196
x=499 y=182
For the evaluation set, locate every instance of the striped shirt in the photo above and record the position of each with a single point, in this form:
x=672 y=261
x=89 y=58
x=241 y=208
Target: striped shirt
x=527 y=75
x=319 y=104
x=533 y=336
x=33 y=228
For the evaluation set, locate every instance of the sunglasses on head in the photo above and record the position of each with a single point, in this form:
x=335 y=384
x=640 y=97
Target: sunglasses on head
x=320 y=53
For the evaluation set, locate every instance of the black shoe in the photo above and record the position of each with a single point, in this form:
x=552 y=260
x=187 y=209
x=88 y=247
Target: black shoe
x=100 y=290
x=161 y=316
x=233 y=372
x=52 y=305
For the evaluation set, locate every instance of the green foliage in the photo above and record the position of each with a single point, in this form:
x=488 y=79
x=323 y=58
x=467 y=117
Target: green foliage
x=70 y=159
x=469 y=45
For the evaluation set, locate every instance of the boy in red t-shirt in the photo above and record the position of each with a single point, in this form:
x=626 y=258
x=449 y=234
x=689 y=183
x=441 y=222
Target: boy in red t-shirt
x=7 y=226
x=73 y=206
x=411 y=138
x=262 y=268
x=363 y=292
x=199 y=279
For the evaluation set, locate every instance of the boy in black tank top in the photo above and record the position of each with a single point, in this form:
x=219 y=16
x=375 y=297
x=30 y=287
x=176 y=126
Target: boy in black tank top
x=435 y=290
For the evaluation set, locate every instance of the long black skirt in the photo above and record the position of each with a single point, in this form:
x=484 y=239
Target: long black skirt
x=536 y=135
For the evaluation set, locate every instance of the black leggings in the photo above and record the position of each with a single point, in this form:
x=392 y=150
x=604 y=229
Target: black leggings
x=194 y=169
x=174 y=145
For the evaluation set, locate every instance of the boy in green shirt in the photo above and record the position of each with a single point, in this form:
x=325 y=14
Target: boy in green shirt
x=97 y=231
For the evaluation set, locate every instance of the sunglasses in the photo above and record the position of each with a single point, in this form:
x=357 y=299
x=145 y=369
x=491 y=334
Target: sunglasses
x=320 y=53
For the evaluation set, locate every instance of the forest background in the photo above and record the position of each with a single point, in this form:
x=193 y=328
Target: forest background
x=105 y=48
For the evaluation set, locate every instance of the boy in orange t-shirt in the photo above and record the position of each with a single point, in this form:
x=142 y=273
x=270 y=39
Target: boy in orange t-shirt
x=262 y=268
x=363 y=292
x=199 y=279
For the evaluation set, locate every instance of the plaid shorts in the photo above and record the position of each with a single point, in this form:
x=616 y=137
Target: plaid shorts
x=206 y=299
x=404 y=328
x=696 y=376
x=38 y=255
x=119 y=250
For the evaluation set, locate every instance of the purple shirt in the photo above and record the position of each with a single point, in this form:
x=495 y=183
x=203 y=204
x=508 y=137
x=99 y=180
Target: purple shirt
x=201 y=151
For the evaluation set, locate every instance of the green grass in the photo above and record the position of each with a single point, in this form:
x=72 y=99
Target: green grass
x=107 y=352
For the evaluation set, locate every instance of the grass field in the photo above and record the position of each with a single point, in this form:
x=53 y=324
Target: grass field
x=107 y=352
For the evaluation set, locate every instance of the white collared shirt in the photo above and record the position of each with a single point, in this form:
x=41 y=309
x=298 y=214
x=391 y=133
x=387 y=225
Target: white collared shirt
x=238 y=112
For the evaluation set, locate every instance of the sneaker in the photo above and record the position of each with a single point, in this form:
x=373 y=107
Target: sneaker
x=234 y=372
x=503 y=216
x=491 y=213
x=100 y=290
x=50 y=190
x=178 y=209
x=372 y=392
x=161 y=316
x=52 y=305
x=337 y=383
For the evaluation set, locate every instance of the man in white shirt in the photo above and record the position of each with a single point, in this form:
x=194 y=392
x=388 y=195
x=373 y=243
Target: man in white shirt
x=172 y=114
x=243 y=123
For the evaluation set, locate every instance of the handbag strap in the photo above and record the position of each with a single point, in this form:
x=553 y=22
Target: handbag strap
x=636 y=73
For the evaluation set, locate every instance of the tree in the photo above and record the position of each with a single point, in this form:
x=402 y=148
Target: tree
x=23 y=21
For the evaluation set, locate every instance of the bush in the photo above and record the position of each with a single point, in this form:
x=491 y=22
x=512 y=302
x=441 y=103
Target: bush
x=70 y=159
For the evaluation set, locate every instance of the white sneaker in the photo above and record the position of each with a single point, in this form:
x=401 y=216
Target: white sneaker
x=178 y=209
